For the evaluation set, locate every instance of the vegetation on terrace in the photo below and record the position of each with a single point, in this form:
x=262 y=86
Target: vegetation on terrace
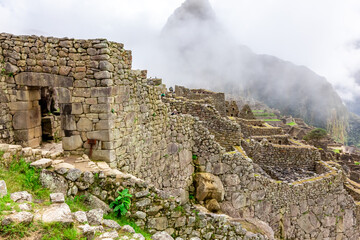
x=20 y=176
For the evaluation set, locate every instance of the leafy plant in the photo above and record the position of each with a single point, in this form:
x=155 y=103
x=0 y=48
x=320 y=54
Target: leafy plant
x=291 y=124
x=122 y=203
x=194 y=157
x=357 y=163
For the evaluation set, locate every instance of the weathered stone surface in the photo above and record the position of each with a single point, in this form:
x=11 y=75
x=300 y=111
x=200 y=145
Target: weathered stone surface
x=42 y=80
x=89 y=231
x=162 y=236
x=95 y=216
x=25 y=207
x=42 y=163
x=208 y=186
x=106 y=66
x=308 y=222
x=213 y=205
x=80 y=216
x=3 y=189
x=73 y=174
x=20 y=217
x=57 y=198
x=95 y=202
x=53 y=181
x=110 y=235
x=72 y=143
x=159 y=223
x=103 y=75
x=128 y=228
x=111 y=224
x=58 y=212
x=84 y=124
x=21 y=197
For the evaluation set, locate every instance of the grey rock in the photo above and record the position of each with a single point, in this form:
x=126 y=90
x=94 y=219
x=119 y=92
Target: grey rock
x=57 y=198
x=111 y=224
x=162 y=236
x=140 y=215
x=138 y=236
x=128 y=228
x=42 y=163
x=80 y=216
x=112 y=234
x=95 y=202
x=3 y=189
x=73 y=174
x=25 y=207
x=88 y=177
x=20 y=217
x=58 y=212
x=53 y=182
x=21 y=197
x=95 y=216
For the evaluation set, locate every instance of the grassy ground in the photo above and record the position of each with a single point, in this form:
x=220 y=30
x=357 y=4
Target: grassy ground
x=19 y=176
x=272 y=120
x=291 y=123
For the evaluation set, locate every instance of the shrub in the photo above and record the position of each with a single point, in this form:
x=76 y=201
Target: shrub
x=316 y=134
x=122 y=203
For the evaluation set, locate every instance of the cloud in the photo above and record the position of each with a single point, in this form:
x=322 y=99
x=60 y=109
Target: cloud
x=318 y=34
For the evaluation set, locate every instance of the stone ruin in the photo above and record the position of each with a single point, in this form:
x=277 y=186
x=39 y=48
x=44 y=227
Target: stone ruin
x=231 y=165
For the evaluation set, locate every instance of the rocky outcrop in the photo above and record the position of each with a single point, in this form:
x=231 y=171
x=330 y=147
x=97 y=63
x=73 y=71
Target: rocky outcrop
x=208 y=187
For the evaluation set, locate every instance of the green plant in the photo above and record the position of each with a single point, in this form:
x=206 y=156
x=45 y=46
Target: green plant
x=112 y=110
x=194 y=157
x=154 y=114
x=166 y=155
x=316 y=134
x=191 y=197
x=357 y=163
x=122 y=203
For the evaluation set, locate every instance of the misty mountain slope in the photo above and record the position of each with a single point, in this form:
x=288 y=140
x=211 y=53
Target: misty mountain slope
x=199 y=52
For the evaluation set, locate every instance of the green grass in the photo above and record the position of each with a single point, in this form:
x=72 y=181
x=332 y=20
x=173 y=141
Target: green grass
x=291 y=123
x=77 y=203
x=125 y=221
x=257 y=111
x=261 y=114
x=19 y=176
x=336 y=151
x=53 y=231
x=272 y=120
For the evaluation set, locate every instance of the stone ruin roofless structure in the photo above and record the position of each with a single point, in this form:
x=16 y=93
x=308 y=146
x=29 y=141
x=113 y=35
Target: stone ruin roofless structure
x=118 y=115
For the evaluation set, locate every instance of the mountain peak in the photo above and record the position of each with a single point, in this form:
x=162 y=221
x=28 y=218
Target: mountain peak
x=191 y=11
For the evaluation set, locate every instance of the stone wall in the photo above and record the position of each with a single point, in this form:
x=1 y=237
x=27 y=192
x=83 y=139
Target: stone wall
x=218 y=99
x=257 y=128
x=151 y=208
x=313 y=208
x=232 y=109
x=226 y=132
x=285 y=156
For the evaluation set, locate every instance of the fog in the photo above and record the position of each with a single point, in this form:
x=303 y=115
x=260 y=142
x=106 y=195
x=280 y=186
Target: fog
x=322 y=35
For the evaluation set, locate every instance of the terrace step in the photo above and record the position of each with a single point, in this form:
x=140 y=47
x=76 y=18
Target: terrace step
x=353 y=189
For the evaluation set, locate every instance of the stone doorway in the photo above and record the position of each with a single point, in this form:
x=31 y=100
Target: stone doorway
x=37 y=112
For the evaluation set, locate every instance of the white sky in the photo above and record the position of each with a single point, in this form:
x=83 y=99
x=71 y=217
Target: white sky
x=317 y=33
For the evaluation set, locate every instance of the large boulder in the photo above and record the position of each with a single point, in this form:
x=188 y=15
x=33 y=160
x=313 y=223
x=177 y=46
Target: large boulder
x=95 y=202
x=21 y=197
x=3 y=189
x=19 y=217
x=53 y=181
x=208 y=186
x=57 y=198
x=59 y=212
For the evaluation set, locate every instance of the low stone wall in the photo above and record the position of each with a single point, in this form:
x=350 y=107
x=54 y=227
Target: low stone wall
x=313 y=208
x=226 y=132
x=267 y=154
x=275 y=139
x=151 y=208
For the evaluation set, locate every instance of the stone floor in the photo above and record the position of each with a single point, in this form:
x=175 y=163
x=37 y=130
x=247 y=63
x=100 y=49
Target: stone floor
x=288 y=174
